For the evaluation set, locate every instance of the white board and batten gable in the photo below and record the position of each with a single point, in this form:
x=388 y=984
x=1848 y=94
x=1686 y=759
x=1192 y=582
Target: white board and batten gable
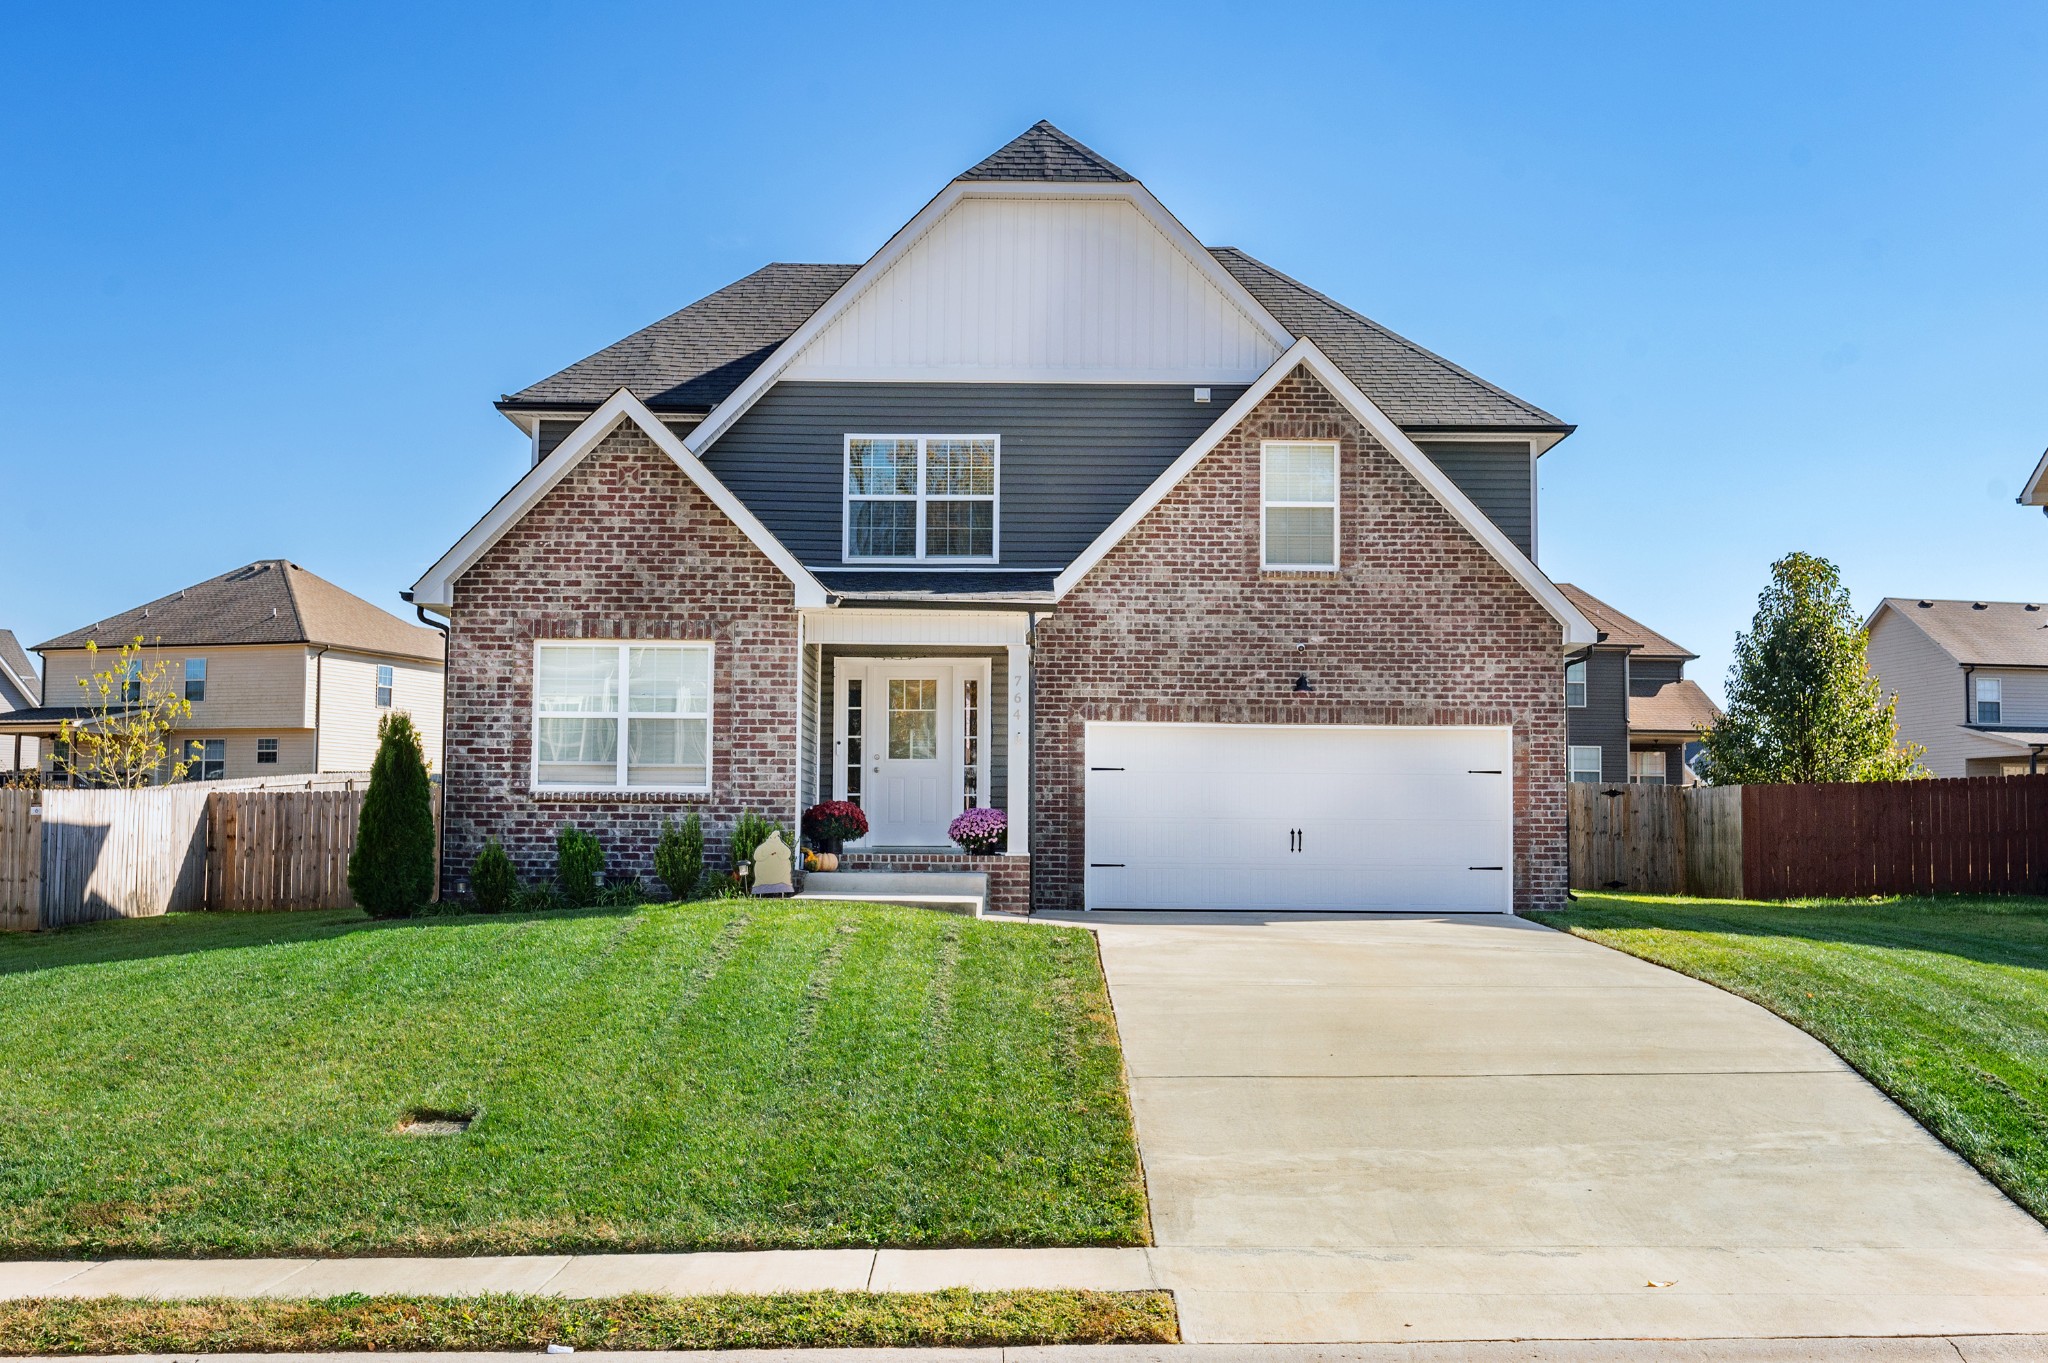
x=1066 y=286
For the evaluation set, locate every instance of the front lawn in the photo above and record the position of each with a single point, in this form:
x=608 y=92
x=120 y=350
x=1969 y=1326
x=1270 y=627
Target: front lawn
x=1942 y=1003
x=718 y=1075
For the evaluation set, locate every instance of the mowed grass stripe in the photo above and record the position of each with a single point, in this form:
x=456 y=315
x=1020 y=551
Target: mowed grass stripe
x=721 y=1075
x=1942 y=1003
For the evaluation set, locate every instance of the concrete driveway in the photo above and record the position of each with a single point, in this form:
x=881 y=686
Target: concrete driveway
x=1476 y=1128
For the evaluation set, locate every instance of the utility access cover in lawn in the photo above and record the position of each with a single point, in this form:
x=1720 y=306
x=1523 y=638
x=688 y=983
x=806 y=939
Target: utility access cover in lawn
x=722 y=1075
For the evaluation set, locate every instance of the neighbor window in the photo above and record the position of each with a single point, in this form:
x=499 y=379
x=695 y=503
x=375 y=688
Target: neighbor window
x=384 y=687
x=921 y=496
x=617 y=716
x=195 y=679
x=1988 y=698
x=131 y=681
x=1585 y=762
x=206 y=759
x=1300 y=492
x=1646 y=767
x=266 y=752
x=1575 y=684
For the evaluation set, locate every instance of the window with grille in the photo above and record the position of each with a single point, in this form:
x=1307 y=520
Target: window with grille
x=921 y=497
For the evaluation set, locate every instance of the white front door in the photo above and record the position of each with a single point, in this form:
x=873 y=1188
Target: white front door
x=1299 y=817
x=910 y=749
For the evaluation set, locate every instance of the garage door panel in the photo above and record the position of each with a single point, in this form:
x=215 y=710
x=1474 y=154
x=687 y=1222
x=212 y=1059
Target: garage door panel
x=1207 y=816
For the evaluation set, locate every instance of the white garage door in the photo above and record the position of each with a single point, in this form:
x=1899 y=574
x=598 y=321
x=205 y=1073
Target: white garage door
x=1299 y=817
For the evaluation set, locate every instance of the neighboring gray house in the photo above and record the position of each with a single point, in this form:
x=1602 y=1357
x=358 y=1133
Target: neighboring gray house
x=20 y=689
x=1629 y=711
x=1971 y=679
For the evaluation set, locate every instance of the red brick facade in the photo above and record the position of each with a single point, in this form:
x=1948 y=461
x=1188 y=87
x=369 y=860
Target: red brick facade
x=624 y=547
x=1420 y=625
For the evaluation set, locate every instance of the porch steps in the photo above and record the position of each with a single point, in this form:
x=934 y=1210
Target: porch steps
x=947 y=891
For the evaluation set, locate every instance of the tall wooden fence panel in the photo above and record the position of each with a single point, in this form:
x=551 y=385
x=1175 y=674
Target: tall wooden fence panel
x=21 y=860
x=281 y=849
x=121 y=853
x=1651 y=839
x=1965 y=835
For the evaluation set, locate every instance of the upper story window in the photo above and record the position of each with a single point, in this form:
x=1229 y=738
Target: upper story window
x=622 y=716
x=131 y=682
x=921 y=497
x=1575 y=684
x=384 y=686
x=1989 y=699
x=195 y=679
x=1299 y=515
x=1584 y=761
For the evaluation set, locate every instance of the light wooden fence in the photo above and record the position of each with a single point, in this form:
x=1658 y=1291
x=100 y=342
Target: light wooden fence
x=1964 y=835
x=76 y=856
x=1656 y=839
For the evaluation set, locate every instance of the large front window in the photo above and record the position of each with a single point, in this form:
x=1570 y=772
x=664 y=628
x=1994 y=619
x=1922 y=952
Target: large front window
x=915 y=497
x=622 y=716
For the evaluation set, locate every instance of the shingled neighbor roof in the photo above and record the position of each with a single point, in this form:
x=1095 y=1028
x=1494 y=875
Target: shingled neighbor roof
x=1623 y=630
x=936 y=587
x=17 y=660
x=270 y=601
x=1043 y=152
x=1418 y=389
x=691 y=360
x=1982 y=633
x=1678 y=707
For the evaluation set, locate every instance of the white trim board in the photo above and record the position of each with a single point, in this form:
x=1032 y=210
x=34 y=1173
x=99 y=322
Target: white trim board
x=1305 y=354
x=2035 y=493
x=436 y=588
x=755 y=384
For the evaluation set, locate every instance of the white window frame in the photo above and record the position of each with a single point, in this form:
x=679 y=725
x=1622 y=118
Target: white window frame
x=261 y=759
x=1990 y=692
x=189 y=679
x=386 y=686
x=624 y=714
x=195 y=766
x=920 y=499
x=1638 y=758
x=1581 y=668
x=1266 y=564
x=1571 y=761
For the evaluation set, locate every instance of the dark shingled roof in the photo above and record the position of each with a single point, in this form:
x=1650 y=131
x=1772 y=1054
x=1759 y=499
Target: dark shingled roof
x=1623 y=630
x=1043 y=152
x=1982 y=633
x=691 y=360
x=270 y=601
x=939 y=586
x=1417 y=388
x=17 y=659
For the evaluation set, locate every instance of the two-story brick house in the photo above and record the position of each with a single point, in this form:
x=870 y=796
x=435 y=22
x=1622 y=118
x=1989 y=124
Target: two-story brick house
x=1971 y=678
x=1223 y=592
x=287 y=674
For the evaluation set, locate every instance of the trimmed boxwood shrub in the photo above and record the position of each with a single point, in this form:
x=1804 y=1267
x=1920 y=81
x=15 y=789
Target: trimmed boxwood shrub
x=492 y=881
x=579 y=866
x=679 y=855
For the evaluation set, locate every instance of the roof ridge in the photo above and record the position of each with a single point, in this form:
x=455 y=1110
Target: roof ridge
x=1028 y=145
x=291 y=593
x=1413 y=346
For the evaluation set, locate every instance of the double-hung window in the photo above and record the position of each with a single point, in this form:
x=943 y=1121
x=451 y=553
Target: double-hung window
x=921 y=497
x=1298 y=526
x=206 y=759
x=622 y=716
x=1575 y=684
x=383 y=686
x=1989 y=700
x=1647 y=768
x=1584 y=761
x=195 y=679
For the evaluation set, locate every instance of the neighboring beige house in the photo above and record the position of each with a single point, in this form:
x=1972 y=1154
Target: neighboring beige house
x=1971 y=679
x=20 y=689
x=287 y=673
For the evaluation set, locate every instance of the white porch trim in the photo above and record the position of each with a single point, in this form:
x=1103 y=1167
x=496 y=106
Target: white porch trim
x=915 y=628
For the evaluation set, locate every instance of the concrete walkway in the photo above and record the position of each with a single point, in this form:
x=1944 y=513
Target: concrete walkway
x=1476 y=1128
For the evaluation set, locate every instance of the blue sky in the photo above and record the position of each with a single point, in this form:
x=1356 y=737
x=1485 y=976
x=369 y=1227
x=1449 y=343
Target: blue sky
x=262 y=270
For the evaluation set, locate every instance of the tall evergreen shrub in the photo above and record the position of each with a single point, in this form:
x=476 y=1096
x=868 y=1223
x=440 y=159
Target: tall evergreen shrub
x=391 y=870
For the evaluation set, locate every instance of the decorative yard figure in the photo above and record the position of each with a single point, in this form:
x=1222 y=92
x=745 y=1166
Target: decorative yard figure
x=772 y=875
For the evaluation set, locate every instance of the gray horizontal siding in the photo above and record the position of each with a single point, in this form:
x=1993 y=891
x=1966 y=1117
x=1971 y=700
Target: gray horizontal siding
x=1495 y=474
x=1645 y=675
x=1603 y=719
x=1073 y=455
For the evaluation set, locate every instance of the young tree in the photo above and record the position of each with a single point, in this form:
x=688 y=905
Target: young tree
x=125 y=738
x=391 y=870
x=1802 y=705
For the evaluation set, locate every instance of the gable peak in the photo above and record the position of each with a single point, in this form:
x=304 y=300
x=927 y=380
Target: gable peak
x=1043 y=153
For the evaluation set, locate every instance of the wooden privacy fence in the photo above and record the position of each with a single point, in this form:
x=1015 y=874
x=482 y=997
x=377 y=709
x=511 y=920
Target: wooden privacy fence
x=77 y=856
x=1966 y=835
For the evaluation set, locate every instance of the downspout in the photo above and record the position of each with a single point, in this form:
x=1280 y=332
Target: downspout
x=1968 y=668
x=440 y=627
x=319 y=676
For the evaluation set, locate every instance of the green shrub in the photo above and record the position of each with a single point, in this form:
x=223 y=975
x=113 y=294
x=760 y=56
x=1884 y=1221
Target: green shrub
x=492 y=881
x=749 y=833
x=679 y=856
x=579 y=865
x=622 y=892
x=391 y=870
x=539 y=898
